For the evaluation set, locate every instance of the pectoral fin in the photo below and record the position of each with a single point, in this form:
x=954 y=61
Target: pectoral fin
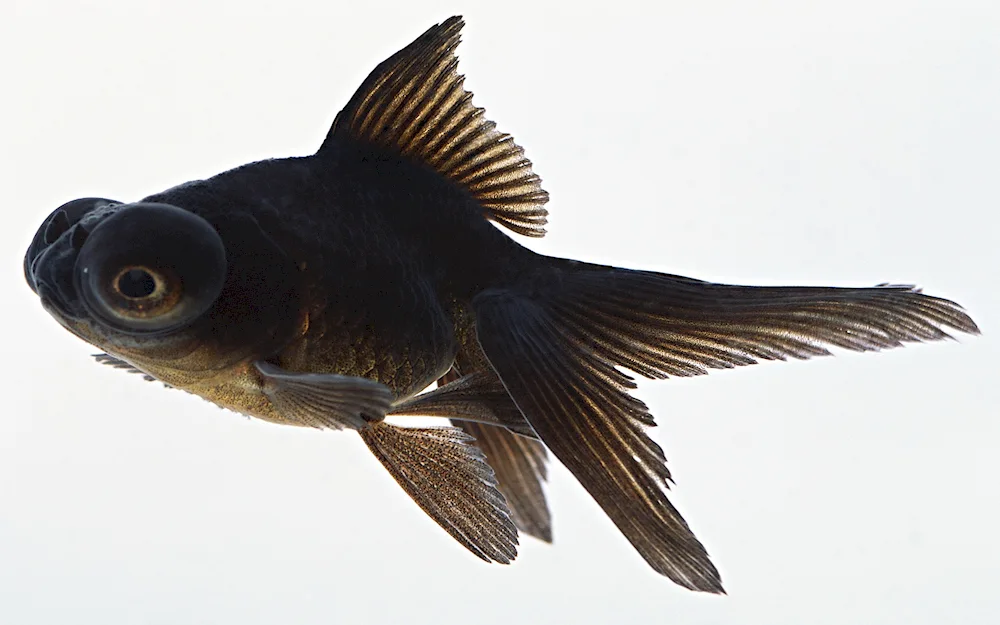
x=325 y=400
x=450 y=480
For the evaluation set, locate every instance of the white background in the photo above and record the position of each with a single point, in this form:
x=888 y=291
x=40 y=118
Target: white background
x=839 y=143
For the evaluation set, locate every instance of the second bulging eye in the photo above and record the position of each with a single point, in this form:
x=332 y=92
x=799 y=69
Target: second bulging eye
x=150 y=268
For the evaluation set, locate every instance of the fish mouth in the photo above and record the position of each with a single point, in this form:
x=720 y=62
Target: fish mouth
x=51 y=278
x=50 y=260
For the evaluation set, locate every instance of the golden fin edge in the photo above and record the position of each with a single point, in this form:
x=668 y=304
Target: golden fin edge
x=415 y=103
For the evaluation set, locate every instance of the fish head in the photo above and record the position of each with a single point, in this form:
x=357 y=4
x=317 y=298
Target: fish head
x=131 y=278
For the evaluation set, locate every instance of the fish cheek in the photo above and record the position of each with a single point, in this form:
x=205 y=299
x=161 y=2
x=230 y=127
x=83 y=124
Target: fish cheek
x=83 y=330
x=182 y=358
x=254 y=316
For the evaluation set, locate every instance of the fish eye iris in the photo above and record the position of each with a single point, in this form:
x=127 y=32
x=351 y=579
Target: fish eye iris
x=136 y=283
x=139 y=291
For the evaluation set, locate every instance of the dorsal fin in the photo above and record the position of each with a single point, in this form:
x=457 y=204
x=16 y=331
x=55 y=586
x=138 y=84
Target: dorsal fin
x=415 y=103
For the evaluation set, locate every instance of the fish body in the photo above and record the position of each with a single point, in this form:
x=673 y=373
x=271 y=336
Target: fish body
x=384 y=259
x=329 y=290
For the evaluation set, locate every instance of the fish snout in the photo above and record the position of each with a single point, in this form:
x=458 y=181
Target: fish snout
x=63 y=220
x=141 y=268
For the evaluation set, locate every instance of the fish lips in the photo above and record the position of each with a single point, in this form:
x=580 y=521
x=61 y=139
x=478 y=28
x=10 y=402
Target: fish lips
x=51 y=258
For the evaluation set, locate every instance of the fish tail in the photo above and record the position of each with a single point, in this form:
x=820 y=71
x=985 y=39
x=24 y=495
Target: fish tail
x=450 y=480
x=560 y=340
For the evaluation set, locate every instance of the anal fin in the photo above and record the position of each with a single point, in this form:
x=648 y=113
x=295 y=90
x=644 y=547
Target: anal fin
x=450 y=480
x=438 y=467
x=520 y=466
x=479 y=405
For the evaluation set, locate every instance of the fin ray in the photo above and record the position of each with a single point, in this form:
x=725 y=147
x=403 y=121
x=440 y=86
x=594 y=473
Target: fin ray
x=324 y=400
x=520 y=464
x=596 y=435
x=557 y=343
x=415 y=103
x=450 y=480
x=118 y=363
x=520 y=467
x=660 y=325
x=478 y=397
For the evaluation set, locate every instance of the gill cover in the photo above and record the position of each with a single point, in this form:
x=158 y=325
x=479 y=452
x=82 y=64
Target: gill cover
x=150 y=268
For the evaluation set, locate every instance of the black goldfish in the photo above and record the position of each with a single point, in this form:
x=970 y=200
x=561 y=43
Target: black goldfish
x=329 y=290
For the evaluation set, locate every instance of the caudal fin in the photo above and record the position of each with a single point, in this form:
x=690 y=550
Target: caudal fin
x=661 y=325
x=557 y=346
x=450 y=480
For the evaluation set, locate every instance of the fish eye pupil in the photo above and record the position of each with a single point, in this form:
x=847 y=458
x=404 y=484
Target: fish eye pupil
x=136 y=283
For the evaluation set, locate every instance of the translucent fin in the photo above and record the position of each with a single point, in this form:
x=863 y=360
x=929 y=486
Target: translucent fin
x=118 y=363
x=661 y=325
x=578 y=405
x=558 y=347
x=451 y=482
x=520 y=467
x=414 y=103
x=479 y=405
x=478 y=397
x=325 y=400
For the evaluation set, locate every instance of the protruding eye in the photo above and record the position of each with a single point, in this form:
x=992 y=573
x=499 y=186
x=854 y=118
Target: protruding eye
x=150 y=268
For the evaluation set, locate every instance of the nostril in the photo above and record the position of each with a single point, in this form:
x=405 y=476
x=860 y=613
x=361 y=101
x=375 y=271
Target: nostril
x=58 y=224
x=79 y=237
